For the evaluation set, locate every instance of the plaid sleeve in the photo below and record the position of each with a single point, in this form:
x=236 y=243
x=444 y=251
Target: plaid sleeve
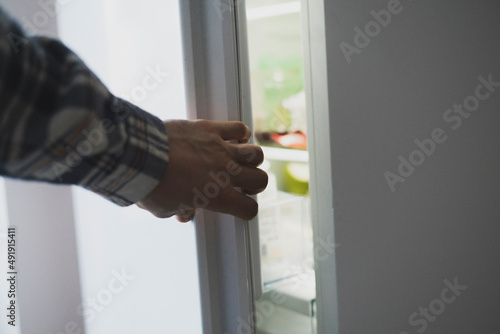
x=59 y=123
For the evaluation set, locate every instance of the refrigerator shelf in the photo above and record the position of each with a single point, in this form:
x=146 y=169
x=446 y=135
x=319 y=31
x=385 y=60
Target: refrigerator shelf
x=285 y=154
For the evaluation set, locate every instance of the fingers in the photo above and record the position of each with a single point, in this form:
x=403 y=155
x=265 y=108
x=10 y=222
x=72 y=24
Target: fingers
x=186 y=216
x=233 y=130
x=252 y=180
x=252 y=192
x=209 y=160
x=247 y=154
x=239 y=205
x=222 y=194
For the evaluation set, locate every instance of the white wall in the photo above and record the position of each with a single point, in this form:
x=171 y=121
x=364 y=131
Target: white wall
x=120 y=40
x=48 y=281
x=443 y=222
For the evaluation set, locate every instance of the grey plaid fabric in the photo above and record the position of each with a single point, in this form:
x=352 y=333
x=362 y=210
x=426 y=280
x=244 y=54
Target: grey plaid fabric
x=59 y=123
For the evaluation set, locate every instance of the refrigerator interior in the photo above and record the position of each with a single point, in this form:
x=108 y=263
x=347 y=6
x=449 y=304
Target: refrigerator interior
x=276 y=64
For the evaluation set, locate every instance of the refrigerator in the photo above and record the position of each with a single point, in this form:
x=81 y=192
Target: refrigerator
x=251 y=61
x=394 y=201
x=379 y=120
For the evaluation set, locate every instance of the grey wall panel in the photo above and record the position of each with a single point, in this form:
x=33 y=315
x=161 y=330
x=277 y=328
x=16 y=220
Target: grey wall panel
x=443 y=222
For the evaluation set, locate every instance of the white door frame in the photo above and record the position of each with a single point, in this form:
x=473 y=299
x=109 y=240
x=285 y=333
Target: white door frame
x=320 y=157
x=216 y=65
x=214 y=91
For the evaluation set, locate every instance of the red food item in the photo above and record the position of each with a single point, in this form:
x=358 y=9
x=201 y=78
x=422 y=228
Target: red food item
x=297 y=140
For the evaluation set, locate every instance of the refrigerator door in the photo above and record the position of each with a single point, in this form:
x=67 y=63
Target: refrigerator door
x=291 y=122
x=276 y=61
x=215 y=75
x=219 y=84
x=283 y=46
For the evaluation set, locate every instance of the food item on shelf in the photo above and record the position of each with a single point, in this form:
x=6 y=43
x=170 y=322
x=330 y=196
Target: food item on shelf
x=295 y=140
x=277 y=86
x=297 y=178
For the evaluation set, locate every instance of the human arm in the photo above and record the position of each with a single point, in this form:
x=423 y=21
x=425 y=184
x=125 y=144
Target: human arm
x=59 y=123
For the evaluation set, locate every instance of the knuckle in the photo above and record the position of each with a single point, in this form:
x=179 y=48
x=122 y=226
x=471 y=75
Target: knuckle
x=213 y=137
x=202 y=124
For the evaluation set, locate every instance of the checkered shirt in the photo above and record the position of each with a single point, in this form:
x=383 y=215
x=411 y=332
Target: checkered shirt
x=59 y=123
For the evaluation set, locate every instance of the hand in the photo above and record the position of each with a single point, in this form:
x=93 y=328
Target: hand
x=212 y=167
